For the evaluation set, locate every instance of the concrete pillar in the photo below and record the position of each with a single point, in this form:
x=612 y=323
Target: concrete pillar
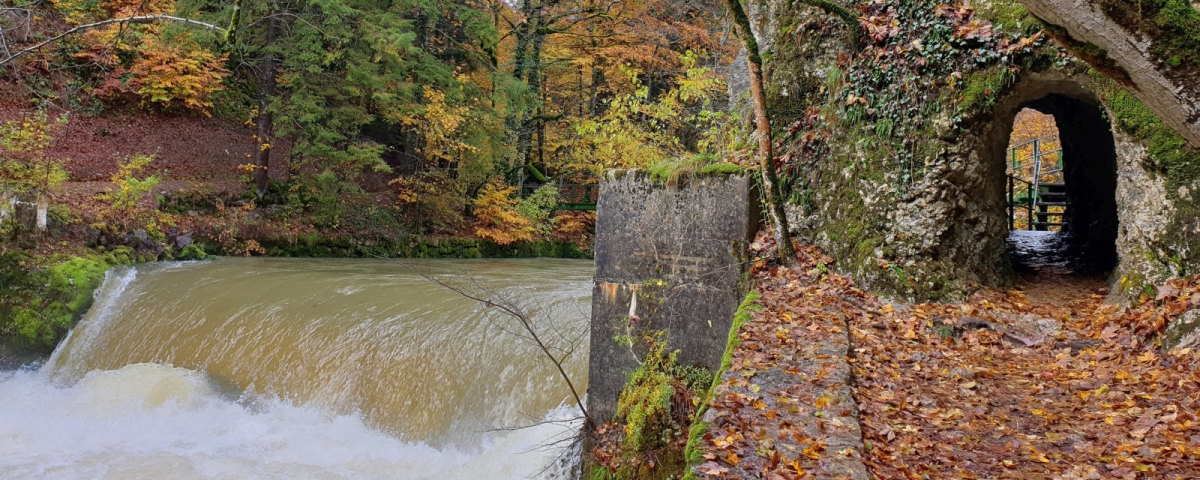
x=670 y=259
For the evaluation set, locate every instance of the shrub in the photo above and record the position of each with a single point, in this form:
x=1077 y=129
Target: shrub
x=497 y=216
x=430 y=200
x=537 y=208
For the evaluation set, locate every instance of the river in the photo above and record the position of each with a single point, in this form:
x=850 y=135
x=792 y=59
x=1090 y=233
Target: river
x=285 y=368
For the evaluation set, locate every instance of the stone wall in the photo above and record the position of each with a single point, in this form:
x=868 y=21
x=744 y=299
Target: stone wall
x=668 y=258
x=910 y=200
x=1170 y=91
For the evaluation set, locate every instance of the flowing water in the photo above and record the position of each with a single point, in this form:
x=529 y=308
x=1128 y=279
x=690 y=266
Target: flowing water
x=278 y=368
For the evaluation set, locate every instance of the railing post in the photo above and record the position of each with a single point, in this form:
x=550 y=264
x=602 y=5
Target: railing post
x=1029 y=186
x=1012 y=205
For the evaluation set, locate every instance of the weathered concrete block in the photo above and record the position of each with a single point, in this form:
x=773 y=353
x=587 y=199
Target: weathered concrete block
x=670 y=259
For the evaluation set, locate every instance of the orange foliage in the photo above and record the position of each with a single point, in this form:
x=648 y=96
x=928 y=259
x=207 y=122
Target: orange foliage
x=1031 y=124
x=141 y=62
x=574 y=227
x=168 y=75
x=496 y=212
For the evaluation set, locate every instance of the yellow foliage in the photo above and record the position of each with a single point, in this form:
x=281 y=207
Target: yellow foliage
x=498 y=220
x=440 y=125
x=24 y=162
x=637 y=131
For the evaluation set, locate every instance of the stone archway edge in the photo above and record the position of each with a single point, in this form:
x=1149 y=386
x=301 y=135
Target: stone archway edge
x=1175 y=100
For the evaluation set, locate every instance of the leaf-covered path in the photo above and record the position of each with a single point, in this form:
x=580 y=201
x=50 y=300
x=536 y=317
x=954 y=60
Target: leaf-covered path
x=1045 y=381
x=1049 y=381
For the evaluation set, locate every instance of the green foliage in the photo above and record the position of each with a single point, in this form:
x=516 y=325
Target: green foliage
x=131 y=190
x=538 y=207
x=324 y=200
x=1170 y=152
x=655 y=407
x=39 y=304
x=356 y=78
x=645 y=402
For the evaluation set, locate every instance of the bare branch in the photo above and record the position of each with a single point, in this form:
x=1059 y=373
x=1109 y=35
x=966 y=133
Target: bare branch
x=141 y=19
x=508 y=307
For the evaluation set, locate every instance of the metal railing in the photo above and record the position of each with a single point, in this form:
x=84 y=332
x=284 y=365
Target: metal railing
x=1039 y=169
x=571 y=196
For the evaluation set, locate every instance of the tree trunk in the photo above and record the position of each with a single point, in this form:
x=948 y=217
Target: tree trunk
x=266 y=120
x=766 y=157
x=43 y=207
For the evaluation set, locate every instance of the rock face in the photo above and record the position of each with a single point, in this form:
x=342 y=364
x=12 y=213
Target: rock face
x=929 y=220
x=1184 y=332
x=667 y=259
x=1170 y=94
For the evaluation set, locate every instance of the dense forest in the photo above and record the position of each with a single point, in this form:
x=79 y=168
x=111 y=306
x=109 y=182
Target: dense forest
x=458 y=102
x=138 y=130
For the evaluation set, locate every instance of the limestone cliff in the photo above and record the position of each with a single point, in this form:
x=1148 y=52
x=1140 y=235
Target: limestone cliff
x=894 y=146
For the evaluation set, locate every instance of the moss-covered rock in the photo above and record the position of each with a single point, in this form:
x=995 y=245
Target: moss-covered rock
x=895 y=165
x=40 y=299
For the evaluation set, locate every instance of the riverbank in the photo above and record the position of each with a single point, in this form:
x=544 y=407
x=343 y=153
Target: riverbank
x=49 y=278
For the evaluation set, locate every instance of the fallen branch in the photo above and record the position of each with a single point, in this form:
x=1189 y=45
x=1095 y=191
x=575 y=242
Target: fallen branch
x=509 y=308
x=141 y=19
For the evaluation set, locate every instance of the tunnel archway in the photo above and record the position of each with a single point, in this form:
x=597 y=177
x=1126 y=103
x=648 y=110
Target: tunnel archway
x=1086 y=241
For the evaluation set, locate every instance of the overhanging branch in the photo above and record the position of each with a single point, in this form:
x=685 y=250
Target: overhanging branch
x=141 y=19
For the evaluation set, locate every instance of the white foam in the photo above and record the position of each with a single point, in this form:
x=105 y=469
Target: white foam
x=156 y=421
x=108 y=301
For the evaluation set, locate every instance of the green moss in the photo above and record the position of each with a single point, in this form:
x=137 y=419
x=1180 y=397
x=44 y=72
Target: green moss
x=1172 y=25
x=722 y=168
x=745 y=312
x=674 y=172
x=981 y=89
x=192 y=252
x=39 y=305
x=1091 y=54
x=1010 y=15
x=1171 y=154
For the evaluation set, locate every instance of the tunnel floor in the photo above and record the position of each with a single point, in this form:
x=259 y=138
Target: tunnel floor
x=1056 y=253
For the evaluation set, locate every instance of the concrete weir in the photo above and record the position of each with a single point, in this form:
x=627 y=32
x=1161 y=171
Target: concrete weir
x=671 y=259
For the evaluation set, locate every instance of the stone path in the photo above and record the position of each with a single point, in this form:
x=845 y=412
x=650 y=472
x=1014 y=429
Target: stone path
x=784 y=408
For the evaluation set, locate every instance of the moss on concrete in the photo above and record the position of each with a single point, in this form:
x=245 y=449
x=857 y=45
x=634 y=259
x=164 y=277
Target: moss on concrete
x=691 y=453
x=676 y=171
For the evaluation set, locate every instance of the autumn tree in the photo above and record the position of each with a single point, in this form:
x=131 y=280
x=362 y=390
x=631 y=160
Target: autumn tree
x=766 y=159
x=25 y=163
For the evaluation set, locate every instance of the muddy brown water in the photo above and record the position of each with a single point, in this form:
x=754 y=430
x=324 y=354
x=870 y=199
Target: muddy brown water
x=282 y=368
